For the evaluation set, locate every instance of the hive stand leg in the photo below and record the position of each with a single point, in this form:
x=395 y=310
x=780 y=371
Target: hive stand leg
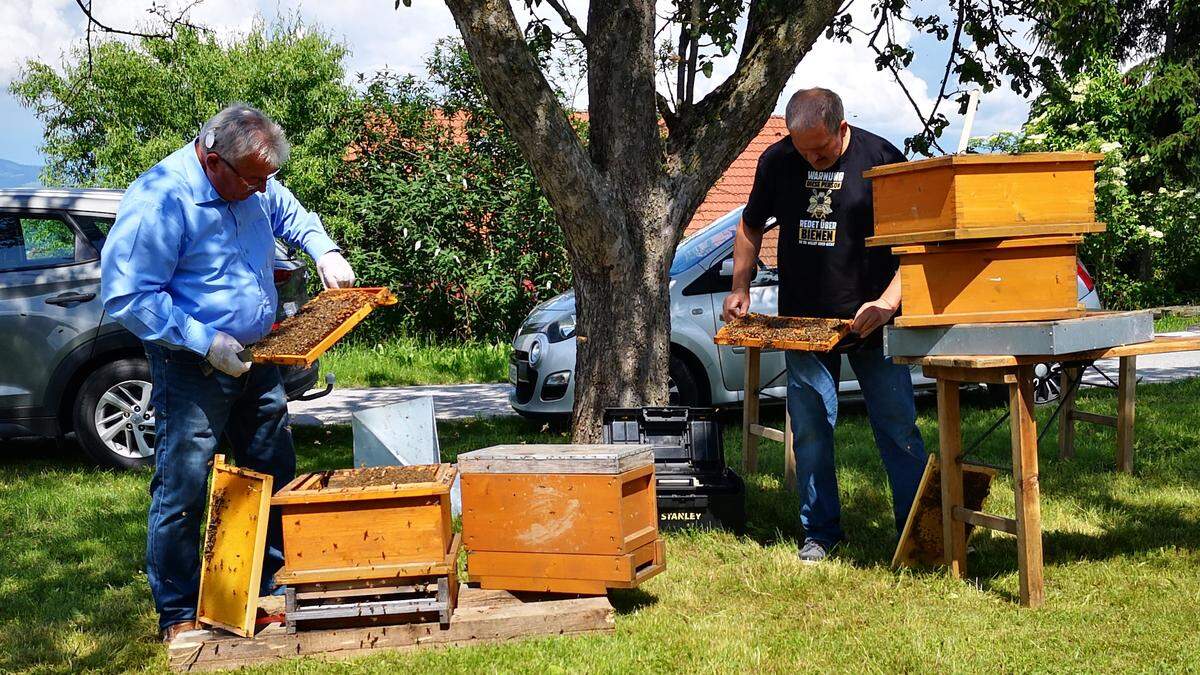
x=750 y=411
x=443 y=597
x=289 y=608
x=954 y=535
x=789 y=455
x=1026 y=489
x=1126 y=402
x=1066 y=422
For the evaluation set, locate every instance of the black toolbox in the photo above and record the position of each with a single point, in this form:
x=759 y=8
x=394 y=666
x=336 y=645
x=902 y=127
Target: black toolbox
x=694 y=486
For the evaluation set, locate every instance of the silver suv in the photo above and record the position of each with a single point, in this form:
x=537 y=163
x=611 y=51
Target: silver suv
x=542 y=365
x=70 y=367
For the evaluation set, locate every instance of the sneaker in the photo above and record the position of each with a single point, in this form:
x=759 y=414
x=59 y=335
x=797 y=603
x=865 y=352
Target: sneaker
x=814 y=552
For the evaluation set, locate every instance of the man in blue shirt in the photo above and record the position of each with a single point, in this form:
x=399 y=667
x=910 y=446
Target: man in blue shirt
x=188 y=267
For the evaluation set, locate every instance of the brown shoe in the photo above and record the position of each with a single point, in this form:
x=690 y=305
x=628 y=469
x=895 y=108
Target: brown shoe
x=171 y=632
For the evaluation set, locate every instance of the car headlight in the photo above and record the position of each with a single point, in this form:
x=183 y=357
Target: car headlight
x=561 y=329
x=535 y=353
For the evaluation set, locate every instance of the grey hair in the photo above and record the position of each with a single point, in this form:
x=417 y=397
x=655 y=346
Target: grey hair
x=240 y=131
x=809 y=107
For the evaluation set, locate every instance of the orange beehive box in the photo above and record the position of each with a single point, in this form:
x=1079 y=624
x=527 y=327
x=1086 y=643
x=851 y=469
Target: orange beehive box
x=367 y=524
x=560 y=518
x=1020 y=279
x=958 y=197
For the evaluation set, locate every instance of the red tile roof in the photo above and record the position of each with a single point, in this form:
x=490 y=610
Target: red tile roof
x=733 y=188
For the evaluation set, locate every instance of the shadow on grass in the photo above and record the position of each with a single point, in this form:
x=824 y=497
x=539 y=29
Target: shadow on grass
x=630 y=600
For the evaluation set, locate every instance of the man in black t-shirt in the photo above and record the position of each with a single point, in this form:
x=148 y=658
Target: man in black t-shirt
x=811 y=184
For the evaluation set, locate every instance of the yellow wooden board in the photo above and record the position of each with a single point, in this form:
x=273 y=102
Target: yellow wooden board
x=235 y=540
x=921 y=543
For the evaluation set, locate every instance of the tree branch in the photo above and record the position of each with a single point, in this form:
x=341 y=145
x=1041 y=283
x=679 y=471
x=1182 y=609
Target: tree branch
x=531 y=112
x=711 y=134
x=569 y=20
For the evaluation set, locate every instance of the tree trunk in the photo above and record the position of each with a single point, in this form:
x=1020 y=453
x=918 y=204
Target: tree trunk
x=624 y=200
x=623 y=322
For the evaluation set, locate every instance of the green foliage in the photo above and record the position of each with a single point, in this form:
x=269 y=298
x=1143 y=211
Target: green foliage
x=1150 y=253
x=438 y=203
x=112 y=117
x=1160 y=38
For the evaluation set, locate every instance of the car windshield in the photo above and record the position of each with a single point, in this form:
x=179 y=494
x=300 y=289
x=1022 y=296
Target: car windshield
x=697 y=247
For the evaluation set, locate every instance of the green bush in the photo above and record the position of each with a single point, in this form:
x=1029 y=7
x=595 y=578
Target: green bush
x=436 y=202
x=1150 y=253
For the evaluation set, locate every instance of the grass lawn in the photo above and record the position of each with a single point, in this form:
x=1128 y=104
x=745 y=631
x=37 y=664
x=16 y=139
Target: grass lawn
x=407 y=361
x=1172 y=323
x=1122 y=567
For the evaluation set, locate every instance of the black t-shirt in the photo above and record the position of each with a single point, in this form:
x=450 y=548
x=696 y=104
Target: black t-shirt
x=824 y=219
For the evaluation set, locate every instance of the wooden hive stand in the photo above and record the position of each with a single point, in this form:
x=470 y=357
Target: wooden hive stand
x=1017 y=373
x=369 y=545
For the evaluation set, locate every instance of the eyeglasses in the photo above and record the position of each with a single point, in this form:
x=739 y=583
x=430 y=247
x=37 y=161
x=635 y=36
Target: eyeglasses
x=255 y=184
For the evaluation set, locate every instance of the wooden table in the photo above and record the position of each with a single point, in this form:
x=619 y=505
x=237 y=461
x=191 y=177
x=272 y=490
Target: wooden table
x=1017 y=372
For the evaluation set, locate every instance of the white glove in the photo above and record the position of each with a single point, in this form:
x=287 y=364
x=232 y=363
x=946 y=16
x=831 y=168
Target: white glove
x=223 y=355
x=334 y=271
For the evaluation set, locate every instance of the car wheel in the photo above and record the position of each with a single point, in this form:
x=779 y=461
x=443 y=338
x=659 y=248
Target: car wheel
x=113 y=419
x=682 y=387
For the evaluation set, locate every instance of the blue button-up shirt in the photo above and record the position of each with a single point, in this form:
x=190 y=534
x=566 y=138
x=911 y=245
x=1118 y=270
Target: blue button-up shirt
x=181 y=263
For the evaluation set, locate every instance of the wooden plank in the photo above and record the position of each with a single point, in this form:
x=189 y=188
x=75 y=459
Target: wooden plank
x=986 y=159
x=1018 y=244
x=789 y=451
x=750 y=411
x=1068 y=385
x=542 y=584
x=1160 y=345
x=1126 y=402
x=967 y=233
x=981 y=519
x=988 y=375
x=577 y=458
x=1093 y=418
x=954 y=535
x=482 y=617
x=1026 y=488
x=1051 y=314
x=767 y=433
x=614 y=568
x=557 y=513
x=234 y=544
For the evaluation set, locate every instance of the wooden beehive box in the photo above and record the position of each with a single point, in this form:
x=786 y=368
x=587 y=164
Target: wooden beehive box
x=1024 y=279
x=958 y=197
x=560 y=518
x=365 y=524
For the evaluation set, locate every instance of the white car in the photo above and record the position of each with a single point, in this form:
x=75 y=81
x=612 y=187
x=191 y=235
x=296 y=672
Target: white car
x=542 y=365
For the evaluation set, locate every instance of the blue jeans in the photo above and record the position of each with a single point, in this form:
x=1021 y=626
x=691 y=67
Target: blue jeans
x=813 y=404
x=192 y=412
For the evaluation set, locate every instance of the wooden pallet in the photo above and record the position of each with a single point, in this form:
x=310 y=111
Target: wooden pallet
x=781 y=332
x=482 y=617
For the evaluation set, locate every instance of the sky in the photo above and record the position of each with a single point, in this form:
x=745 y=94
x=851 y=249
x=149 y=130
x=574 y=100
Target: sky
x=379 y=37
